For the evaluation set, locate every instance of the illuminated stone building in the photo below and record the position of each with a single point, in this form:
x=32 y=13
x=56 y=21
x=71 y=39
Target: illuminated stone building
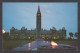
x=24 y=33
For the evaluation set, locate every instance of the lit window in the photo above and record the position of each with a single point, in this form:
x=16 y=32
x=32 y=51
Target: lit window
x=24 y=37
x=28 y=37
x=47 y=38
x=16 y=34
x=54 y=37
x=42 y=37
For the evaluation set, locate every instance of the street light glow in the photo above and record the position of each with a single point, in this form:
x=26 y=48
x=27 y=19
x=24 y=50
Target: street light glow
x=3 y=31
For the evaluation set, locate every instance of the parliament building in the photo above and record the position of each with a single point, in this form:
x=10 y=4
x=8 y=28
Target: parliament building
x=24 y=33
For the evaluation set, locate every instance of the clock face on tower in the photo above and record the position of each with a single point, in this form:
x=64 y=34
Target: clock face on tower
x=38 y=14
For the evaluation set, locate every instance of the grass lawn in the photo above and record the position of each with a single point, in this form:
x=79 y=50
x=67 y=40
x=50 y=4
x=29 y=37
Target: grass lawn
x=10 y=44
x=73 y=43
x=68 y=42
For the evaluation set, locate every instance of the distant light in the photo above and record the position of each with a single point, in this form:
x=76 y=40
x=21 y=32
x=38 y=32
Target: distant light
x=47 y=42
x=29 y=37
x=43 y=41
x=3 y=31
x=29 y=44
x=24 y=37
x=42 y=37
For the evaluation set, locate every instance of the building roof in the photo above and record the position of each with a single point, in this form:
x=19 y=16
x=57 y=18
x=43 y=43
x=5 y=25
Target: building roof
x=38 y=9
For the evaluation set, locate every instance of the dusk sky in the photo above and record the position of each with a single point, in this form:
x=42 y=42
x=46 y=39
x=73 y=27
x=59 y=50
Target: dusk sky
x=58 y=15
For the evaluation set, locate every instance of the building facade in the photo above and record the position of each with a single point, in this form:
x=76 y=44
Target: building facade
x=23 y=33
x=6 y=35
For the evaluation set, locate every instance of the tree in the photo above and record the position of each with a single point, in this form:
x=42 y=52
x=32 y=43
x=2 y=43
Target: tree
x=76 y=34
x=71 y=34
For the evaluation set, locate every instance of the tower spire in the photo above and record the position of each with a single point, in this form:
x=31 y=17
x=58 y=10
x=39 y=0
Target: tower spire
x=38 y=9
x=38 y=23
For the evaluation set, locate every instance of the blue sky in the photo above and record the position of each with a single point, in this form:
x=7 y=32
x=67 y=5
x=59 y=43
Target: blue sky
x=56 y=14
